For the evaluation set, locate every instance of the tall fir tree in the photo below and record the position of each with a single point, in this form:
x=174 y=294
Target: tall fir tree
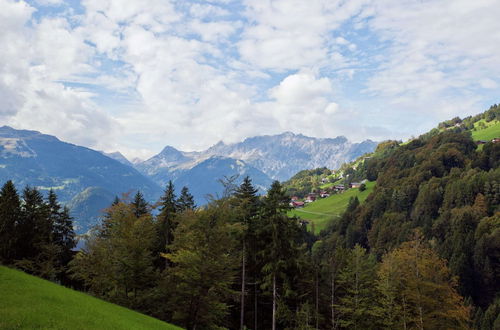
x=166 y=220
x=34 y=226
x=246 y=208
x=10 y=216
x=185 y=201
x=279 y=252
x=356 y=281
x=139 y=205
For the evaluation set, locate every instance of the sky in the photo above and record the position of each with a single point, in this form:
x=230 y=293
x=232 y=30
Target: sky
x=136 y=76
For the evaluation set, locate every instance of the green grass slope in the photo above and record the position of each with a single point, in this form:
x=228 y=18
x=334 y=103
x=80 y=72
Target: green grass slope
x=28 y=302
x=491 y=131
x=320 y=212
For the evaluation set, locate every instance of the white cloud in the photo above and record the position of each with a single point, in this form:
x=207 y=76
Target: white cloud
x=138 y=75
x=288 y=35
x=33 y=61
x=438 y=50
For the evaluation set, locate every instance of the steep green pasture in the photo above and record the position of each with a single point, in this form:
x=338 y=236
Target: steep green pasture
x=28 y=302
x=320 y=212
x=491 y=131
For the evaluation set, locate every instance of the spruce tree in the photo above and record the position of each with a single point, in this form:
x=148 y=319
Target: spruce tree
x=185 y=201
x=279 y=252
x=166 y=219
x=34 y=226
x=104 y=229
x=246 y=206
x=64 y=239
x=139 y=205
x=10 y=215
x=357 y=282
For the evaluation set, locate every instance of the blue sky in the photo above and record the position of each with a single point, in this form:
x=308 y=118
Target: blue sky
x=135 y=76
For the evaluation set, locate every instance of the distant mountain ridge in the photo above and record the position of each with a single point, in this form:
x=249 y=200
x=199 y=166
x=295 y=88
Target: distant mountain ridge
x=40 y=160
x=278 y=156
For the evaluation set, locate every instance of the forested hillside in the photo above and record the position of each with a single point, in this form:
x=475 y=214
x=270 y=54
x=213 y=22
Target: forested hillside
x=444 y=187
x=421 y=252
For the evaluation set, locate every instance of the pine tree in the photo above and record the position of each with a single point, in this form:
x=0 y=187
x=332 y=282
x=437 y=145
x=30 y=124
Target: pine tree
x=246 y=206
x=106 y=223
x=10 y=215
x=140 y=206
x=166 y=220
x=357 y=281
x=278 y=235
x=64 y=239
x=34 y=226
x=185 y=201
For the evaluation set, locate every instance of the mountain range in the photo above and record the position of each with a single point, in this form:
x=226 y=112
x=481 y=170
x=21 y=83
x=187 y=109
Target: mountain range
x=87 y=180
x=278 y=156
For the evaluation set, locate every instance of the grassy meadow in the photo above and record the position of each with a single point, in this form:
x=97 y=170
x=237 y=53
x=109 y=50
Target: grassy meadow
x=491 y=131
x=320 y=212
x=28 y=302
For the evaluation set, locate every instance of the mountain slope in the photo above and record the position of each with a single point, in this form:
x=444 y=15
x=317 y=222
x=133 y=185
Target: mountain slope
x=35 y=159
x=203 y=178
x=281 y=156
x=29 y=302
x=278 y=156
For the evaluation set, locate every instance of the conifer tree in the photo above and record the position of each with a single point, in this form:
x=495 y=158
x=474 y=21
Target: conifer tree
x=34 y=227
x=106 y=223
x=10 y=215
x=246 y=206
x=185 y=201
x=139 y=204
x=166 y=221
x=357 y=282
x=64 y=238
x=279 y=252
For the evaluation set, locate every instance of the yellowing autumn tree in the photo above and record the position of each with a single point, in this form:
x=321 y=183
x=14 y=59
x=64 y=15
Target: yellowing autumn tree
x=418 y=291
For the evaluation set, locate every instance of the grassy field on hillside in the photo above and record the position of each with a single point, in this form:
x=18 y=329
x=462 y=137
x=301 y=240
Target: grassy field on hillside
x=28 y=302
x=491 y=131
x=323 y=210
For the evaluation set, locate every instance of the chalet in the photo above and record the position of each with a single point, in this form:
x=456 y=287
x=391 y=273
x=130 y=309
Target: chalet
x=324 y=180
x=297 y=204
x=355 y=184
x=324 y=194
x=310 y=198
x=479 y=142
x=294 y=198
x=495 y=140
x=339 y=187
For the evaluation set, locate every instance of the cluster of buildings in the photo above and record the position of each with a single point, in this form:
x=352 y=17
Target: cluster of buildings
x=495 y=140
x=296 y=202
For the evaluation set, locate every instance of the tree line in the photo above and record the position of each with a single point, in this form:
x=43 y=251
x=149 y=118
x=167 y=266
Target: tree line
x=36 y=233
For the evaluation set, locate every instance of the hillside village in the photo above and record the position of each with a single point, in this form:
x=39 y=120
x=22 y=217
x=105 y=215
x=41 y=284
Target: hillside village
x=338 y=188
